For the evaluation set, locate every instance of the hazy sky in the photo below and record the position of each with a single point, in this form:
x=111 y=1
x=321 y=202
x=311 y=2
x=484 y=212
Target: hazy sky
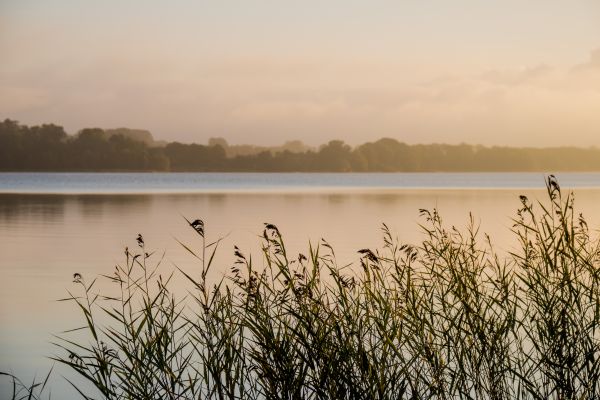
x=508 y=72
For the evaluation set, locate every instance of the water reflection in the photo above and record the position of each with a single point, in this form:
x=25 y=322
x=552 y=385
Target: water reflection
x=47 y=207
x=45 y=238
x=96 y=206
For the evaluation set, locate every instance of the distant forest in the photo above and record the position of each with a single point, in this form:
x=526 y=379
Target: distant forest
x=49 y=148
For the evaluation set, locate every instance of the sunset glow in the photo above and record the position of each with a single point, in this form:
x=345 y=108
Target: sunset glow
x=494 y=73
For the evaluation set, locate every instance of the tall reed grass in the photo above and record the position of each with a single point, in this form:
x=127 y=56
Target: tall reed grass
x=449 y=318
x=34 y=390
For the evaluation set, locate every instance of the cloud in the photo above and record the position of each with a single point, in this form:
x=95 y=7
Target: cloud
x=517 y=76
x=593 y=64
x=285 y=110
x=262 y=101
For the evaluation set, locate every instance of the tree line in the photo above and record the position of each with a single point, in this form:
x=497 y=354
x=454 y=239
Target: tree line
x=49 y=148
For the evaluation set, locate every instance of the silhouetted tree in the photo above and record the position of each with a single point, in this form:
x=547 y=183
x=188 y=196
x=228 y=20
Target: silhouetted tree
x=49 y=148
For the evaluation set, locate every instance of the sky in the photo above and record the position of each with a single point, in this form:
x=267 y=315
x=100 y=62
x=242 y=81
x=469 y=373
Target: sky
x=495 y=72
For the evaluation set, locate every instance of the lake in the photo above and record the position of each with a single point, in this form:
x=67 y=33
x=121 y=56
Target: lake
x=53 y=225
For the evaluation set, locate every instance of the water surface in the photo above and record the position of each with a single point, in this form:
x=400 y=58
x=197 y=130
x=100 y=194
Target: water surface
x=153 y=183
x=53 y=225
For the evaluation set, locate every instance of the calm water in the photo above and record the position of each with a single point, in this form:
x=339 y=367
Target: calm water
x=138 y=183
x=52 y=225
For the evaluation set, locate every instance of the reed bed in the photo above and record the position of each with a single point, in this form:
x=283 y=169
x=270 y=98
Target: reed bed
x=449 y=318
